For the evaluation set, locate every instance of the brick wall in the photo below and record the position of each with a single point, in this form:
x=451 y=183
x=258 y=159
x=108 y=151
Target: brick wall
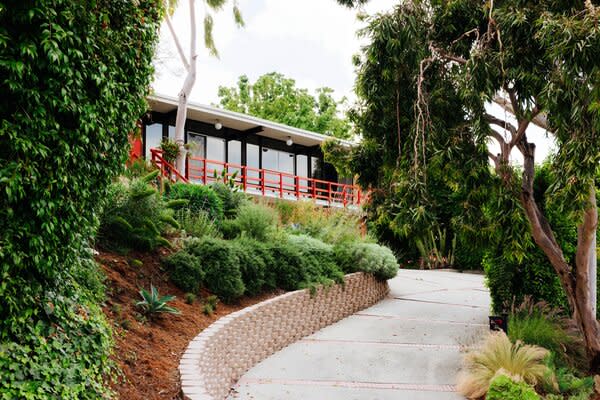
x=223 y=352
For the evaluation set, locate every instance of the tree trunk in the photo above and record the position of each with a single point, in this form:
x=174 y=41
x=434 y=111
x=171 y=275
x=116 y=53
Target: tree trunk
x=575 y=281
x=185 y=92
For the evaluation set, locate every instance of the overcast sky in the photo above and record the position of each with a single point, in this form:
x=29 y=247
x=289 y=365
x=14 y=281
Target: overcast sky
x=311 y=41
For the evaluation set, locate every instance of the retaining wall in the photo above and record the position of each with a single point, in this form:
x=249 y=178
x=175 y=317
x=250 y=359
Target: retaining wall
x=224 y=351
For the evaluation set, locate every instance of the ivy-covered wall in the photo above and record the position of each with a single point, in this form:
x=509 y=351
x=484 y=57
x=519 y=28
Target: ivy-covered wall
x=74 y=77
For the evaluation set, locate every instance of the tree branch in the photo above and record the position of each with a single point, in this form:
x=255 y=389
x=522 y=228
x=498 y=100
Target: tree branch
x=446 y=55
x=501 y=123
x=176 y=39
x=523 y=125
x=585 y=231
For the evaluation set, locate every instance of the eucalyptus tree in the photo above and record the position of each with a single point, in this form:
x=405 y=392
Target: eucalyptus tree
x=190 y=61
x=541 y=56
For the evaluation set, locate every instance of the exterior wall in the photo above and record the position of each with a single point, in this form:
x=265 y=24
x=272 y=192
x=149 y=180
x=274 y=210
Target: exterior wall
x=223 y=352
x=207 y=129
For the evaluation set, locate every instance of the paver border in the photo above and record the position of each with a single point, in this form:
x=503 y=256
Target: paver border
x=215 y=359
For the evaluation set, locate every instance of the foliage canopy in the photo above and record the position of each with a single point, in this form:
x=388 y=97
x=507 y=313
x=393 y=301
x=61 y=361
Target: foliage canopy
x=276 y=98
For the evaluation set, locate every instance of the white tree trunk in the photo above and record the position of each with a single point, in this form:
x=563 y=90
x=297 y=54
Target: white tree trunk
x=185 y=92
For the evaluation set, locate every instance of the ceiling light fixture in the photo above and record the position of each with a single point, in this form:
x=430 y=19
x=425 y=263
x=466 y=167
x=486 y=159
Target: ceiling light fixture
x=289 y=141
x=218 y=125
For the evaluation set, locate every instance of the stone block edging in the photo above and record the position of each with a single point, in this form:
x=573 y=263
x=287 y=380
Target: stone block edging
x=216 y=358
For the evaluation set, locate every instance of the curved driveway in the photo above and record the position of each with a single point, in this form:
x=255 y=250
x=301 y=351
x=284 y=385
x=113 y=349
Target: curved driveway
x=408 y=346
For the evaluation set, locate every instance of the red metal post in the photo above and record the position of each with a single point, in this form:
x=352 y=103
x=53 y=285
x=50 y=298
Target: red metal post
x=204 y=171
x=280 y=185
x=314 y=191
x=244 y=180
x=262 y=181
x=344 y=195
x=297 y=187
x=358 y=197
x=329 y=192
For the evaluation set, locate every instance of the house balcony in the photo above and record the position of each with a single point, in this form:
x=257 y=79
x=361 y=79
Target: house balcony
x=261 y=182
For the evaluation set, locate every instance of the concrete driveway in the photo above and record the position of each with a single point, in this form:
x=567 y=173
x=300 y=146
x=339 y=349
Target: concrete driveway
x=408 y=346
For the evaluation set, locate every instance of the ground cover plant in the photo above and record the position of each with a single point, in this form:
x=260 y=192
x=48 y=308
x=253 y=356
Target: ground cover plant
x=75 y=75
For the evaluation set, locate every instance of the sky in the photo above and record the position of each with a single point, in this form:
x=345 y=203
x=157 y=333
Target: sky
x=311 y=41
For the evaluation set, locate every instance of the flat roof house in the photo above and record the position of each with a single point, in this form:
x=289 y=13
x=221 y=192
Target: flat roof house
x=267 y=158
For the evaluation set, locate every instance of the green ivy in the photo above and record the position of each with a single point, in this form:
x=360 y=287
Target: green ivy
x=75 y=75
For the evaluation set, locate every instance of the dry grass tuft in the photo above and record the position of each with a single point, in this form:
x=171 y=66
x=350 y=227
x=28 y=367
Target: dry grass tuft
x=498 y=356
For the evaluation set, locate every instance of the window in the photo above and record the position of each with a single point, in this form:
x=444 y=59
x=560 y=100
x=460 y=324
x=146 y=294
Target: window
x=302 y=170
x=234 y=155
x=171 y=132
x=280 y=161
x=215 y=149
x=315 y=167
x=253 y=161
x=152 y=139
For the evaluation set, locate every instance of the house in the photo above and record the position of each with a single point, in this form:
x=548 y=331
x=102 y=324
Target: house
x=263 y=157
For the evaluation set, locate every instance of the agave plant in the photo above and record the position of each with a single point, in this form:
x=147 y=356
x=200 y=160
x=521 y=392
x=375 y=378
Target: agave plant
x=152 y=303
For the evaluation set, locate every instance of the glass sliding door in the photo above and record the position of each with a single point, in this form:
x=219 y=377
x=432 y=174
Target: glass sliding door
x=253 y=164
x=152 y=139
x=279 y=161
x=302 y=171
x=234 y=156
x=196 y=154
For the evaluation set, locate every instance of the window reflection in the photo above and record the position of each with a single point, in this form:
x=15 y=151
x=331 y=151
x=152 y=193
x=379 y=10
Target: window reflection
x=234 y=156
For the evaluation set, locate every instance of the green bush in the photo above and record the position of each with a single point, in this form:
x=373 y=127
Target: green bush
x=232 y=200
x=256 y=264
x=221 y=265
x=185 y=271
x=75 y=76
x=289 y=269
x=539 y=324
x=367 y=257
x=134 y=216
x=318 y=259
x=200 y=197
x=254 y=220
x=504 y=388
x=511 y=281
x=197 y=223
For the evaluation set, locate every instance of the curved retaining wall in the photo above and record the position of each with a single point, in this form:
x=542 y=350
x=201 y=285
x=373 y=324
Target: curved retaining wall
x=224 y=351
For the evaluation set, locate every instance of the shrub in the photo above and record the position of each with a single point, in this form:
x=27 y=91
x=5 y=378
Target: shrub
x=288 y=269
x=538 y=324
x=200 y=197
x=170 y=150
x=255 y=220
x=134 y=216
x=190 y=298
x=153 y=303
x=330 y=225
x=212 y=300
x=197 y=223
x=511 y=281
x=185 y=271
x=208 y=309
x=318 y=260
x=231 y=200
x=367 y=257
x=498 y=355
x=221 y=267
x=504 y=388
x=255 y=259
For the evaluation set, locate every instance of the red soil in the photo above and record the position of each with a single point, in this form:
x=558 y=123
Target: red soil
x=148 y=352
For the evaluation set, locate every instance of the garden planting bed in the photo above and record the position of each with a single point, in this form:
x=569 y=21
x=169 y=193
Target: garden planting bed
x=148 y=352
x=220 y=354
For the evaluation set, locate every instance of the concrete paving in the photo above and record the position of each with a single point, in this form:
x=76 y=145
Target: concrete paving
x=408 y=346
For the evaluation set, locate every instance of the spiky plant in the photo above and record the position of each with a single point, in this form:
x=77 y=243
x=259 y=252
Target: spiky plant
x=153 y=303
x=498 y=355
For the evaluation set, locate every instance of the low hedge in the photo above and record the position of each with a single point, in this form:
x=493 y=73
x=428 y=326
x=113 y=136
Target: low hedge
x=200 y=198
x=367 y=257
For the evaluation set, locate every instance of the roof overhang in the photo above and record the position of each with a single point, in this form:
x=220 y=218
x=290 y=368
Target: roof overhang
x=241 y=122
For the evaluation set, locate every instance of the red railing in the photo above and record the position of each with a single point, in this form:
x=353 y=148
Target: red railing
x=261 y=181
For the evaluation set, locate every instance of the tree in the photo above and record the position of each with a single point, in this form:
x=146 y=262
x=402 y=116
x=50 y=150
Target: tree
x=276 y=98
x=75 y=76
x=190 y=62
x=542 y=57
